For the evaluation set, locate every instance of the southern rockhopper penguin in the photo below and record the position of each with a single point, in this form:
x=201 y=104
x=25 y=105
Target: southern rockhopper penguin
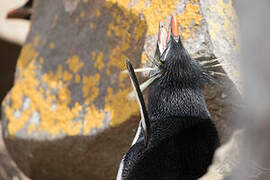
x=176 y=138
x=23 y=12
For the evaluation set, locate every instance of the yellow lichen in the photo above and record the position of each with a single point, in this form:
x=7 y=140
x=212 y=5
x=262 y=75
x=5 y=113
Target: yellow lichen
x=41 y=60
x=98 y=13
x=215 y=26
x=54 y=22
x=228 y=19
x=91 y=25
x=82 y=14
x=158 y=10
x=120 y=108
x=36 y=40
x=74 y=64
x=54 y=103
x=117 y=59
x=53 y=120
x=99 y=64
x=143 y=58
x=31 y=128
x=90 y=88
x=77 y=78
x=24 y=87
x=212 y=34
x=153 y=13
x=56 y=115
x=28 y=53
x=190 y=16
x=51 y=46
x=93 y=119
x=52 y=79
x=67 y=76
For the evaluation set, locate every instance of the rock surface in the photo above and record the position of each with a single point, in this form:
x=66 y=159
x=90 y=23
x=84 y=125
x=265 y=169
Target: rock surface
x=67 y=116
x=8 y=169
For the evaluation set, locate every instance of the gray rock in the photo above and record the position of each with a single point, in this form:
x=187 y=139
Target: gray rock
x=67 y=116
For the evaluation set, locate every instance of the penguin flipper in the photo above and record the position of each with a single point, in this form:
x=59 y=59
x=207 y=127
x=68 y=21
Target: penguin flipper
x=144 y=115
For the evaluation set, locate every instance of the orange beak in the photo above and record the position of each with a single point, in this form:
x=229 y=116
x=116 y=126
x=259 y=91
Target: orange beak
x=174 y=26
x=165 y=33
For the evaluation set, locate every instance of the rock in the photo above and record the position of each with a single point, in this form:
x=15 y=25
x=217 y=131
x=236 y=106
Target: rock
x=226 y=158
x=223 y=29
x=8 y=169
x=67 y=116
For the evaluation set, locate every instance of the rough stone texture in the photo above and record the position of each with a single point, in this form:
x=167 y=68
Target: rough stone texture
x=67 y=116
x=8 y=169
x=226 y=158
x=223 y=29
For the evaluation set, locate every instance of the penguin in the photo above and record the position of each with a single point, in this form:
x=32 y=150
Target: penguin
x=23 y=12
x=176 y=138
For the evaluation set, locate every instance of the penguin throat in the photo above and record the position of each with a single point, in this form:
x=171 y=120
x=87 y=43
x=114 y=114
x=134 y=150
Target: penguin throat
x=178 y=102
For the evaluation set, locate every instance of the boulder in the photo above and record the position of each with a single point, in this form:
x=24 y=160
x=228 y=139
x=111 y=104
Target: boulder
x=67 y=115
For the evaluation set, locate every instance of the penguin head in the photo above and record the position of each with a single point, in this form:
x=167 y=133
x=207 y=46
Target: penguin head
x=172 y=60
x=23 y=12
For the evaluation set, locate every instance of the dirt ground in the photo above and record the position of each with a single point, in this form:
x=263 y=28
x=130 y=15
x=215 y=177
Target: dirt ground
x=8 y=169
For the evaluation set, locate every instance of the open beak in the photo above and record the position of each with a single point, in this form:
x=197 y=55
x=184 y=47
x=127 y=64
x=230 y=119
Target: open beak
x=21 y=13
x=163 y=37
x=165 y=34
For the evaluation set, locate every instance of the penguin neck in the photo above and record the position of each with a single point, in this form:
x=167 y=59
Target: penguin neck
x=176 y=100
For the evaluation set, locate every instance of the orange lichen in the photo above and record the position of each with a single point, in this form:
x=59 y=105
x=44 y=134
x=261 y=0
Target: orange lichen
x=74 y=64
x=120 y=108
x=93 y=119
x=23 y=88
x=53 y=25
x=51 y=46
x=31 y=128
x=98 y=13
x=99 y=63
x=82 y=14
x=28 y=53
x=41 y=60
x=67 y=76
x=54 y=102
x=143 y=58
x=116 y=59
x=190 y=16
x=153 y=13
x=228 y=17
x=91 y=25
x=90 y=88
x=36 y=40
x=77 y=78
x=55 y=113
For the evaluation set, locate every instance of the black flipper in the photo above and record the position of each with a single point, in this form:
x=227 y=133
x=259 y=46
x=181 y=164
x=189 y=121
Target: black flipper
x=144 y=115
